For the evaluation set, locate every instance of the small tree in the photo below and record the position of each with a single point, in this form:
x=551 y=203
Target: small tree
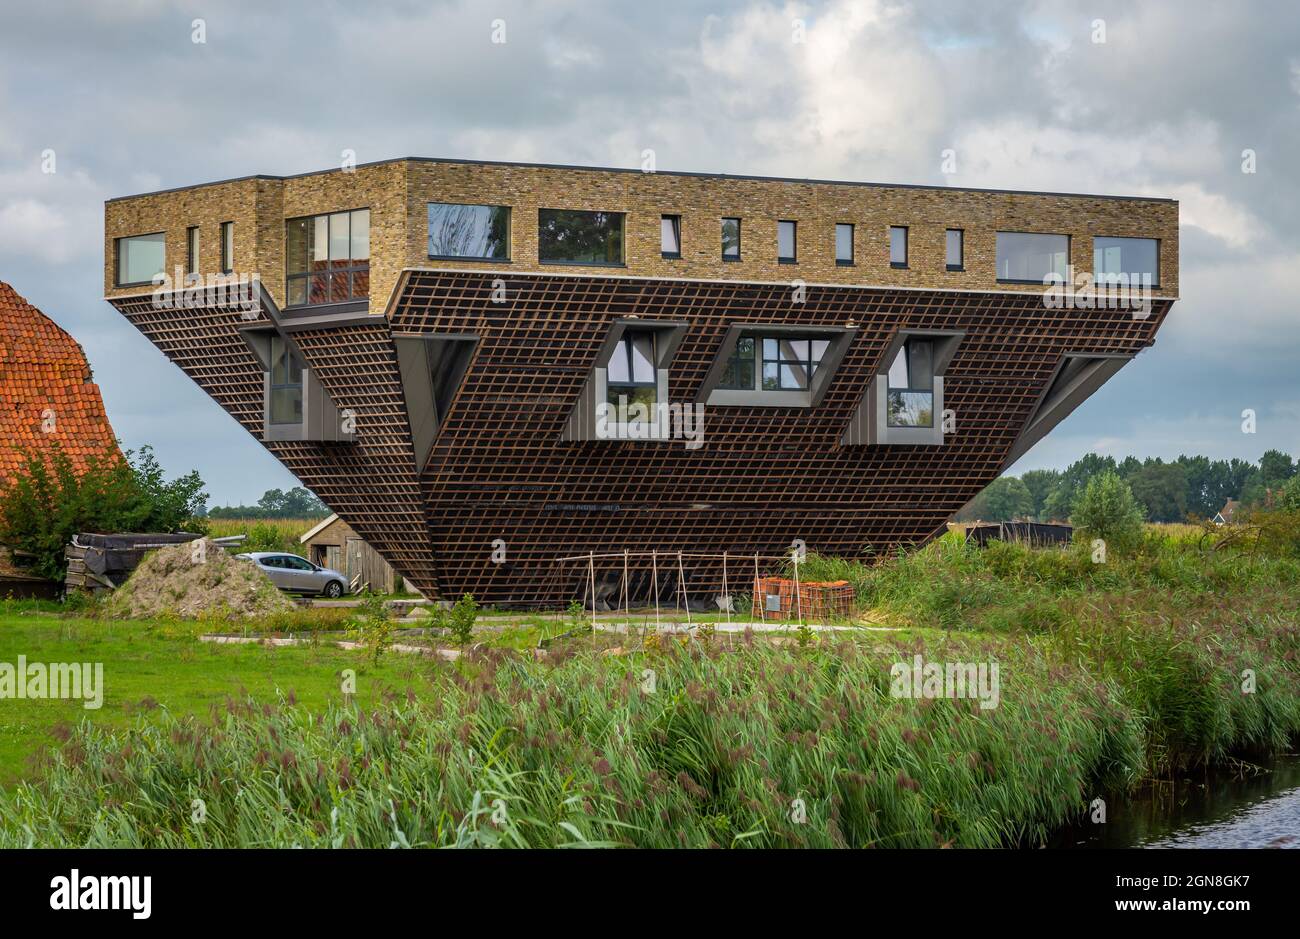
x=1107 y=510
x=462 y=618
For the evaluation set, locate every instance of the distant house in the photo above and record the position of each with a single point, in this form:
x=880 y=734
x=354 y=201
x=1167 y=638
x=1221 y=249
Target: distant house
x=47 y=401
x=334 y=544
x=1225 y=515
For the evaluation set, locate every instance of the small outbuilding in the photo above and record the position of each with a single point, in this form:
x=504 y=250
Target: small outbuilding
x=1226 y=514
x=334 y=544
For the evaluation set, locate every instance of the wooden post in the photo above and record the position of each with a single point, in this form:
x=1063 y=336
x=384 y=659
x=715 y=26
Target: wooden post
x=681 y=589
x=591 y=566
x=798 y=601
x=725 y=592
x=654 y=565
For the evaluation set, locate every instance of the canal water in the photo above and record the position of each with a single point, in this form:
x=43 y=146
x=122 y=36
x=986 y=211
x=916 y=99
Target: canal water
x=1258 y=807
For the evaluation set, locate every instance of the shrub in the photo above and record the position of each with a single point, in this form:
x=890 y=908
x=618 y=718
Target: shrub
x=372 y=627
x=462 y=617
x=1107 y=510
x=50 y=502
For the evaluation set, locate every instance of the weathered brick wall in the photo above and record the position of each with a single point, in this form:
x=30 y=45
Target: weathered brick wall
x=398 y=191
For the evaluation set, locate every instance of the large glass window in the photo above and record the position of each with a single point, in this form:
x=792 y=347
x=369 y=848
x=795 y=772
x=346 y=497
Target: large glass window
x=327 y=258
x=286 y=384
x=954 y=249
x=731 y=239
x=670 y=236
x=843 y=243
x=1131 y=256
x=140 y=258
x=773 y=363
x=1028 y=258
x=898 y=246
x=911 y=385
x=567 y=236
x=630 y=376
x=469 y=231
x=786 y=242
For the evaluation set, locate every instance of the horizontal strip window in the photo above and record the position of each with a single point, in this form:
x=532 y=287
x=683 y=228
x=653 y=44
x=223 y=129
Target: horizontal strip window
x=140 y=258
x=327 y=258
x=1132 y=258
x=469 y=232
x=570 y=236
x=1028 y=258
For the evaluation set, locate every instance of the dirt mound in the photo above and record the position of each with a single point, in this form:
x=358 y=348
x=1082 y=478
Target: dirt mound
x=196 y=579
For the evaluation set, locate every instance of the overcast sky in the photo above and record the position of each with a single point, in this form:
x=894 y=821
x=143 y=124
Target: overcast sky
x=876 y=91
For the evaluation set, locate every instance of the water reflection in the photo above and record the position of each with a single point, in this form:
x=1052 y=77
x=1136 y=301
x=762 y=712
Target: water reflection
x=1221 y=809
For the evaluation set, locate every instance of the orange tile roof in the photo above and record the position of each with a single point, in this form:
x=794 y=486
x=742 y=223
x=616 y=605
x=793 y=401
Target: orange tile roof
x=46 y=393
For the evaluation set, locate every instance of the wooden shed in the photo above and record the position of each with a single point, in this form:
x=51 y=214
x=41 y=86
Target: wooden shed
x=335 y=545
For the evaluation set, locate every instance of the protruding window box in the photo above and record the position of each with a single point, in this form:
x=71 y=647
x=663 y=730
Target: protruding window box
x=903 y=404
x=775 y=366
x=294 y=404
x=625 y=394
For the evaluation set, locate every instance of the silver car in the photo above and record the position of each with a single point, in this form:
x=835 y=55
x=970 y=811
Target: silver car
x=293 y=574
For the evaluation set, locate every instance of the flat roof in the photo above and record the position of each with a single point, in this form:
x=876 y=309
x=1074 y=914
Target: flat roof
x=625 y=169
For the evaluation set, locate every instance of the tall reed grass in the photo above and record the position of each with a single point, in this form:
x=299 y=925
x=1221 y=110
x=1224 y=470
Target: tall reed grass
x=762 y=747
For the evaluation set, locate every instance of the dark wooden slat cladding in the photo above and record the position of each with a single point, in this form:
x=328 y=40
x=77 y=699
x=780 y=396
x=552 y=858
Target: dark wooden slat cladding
x=372 y=484
x=764 y=476
x=767 y=475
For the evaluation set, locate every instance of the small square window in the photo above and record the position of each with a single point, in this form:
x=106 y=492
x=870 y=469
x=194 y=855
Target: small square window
x=898 y=246
x=786 y=242
x=670 y=235
x=843 y=244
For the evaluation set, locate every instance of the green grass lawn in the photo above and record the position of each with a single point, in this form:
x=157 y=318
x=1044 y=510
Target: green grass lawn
x=148 y=667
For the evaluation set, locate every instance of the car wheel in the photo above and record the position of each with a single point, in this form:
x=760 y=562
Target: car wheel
x=333 y=590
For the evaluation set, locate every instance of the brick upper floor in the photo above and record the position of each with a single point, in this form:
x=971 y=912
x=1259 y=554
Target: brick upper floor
x=395 y=196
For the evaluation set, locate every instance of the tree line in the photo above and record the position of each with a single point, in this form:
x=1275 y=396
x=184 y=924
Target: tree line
x=276 y=503
x=1190 y=487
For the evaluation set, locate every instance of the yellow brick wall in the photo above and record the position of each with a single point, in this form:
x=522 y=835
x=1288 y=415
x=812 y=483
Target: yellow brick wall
x=173 y=212
x=397 y=193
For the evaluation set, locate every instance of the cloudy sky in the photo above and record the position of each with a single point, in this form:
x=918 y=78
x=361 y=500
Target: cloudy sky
x=875 y=91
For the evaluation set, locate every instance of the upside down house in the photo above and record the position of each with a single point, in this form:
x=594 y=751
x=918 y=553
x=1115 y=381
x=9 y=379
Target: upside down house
x=484 y=366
